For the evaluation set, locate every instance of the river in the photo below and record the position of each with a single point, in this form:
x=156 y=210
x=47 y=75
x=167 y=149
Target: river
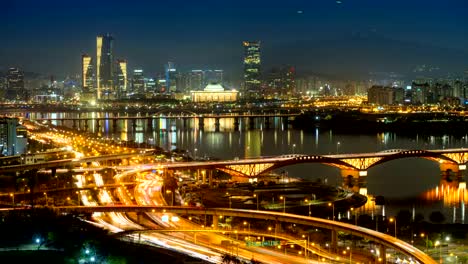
x=412 y=184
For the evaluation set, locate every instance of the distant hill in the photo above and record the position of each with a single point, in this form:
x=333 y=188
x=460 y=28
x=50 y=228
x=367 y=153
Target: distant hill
x=356 y=55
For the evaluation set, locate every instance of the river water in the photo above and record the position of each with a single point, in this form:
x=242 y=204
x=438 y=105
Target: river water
x=412 y=184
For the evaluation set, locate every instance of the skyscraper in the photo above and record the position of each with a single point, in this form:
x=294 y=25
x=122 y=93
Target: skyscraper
x=138 y=82
x=122 y=79
x=171 y=78
x=87 y=75
x=104 y=65
x=252 y=64
x=15 y=85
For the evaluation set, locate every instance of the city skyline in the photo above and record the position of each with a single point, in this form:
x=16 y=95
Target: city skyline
x=209 y=35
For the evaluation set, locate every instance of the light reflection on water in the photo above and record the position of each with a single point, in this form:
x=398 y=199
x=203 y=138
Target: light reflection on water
x=399 y=179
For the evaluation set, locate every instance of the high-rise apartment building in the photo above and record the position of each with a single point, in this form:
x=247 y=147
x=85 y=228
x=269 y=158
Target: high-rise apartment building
x=87 y=74
x=252 y=64
x=15 y=85
x=104 y=65
x=122 y=79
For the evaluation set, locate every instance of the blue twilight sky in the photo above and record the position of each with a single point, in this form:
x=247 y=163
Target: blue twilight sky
x=49 y=36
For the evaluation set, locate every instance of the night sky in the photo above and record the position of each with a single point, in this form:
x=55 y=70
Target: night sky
x=314 y=35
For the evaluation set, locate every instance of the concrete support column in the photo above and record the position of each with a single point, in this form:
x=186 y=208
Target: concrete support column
x=210 y=178
x=74 y=123
x=251 y=123
x=114 y=123
x=277 y=228
x=201 y=123
x=217 y=124
x=354 y=180
x=383 y=254
x=451 y=172
x=215 y=222
x=203 y=176
x=267 y=122
x=134 y=123
x=334 y=240
x=150 y=124
x=285 y=122
x=236 y=123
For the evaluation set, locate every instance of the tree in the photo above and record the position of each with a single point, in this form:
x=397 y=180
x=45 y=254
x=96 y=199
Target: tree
x=437 y=217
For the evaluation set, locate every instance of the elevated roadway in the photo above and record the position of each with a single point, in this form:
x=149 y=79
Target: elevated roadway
x=383 y=239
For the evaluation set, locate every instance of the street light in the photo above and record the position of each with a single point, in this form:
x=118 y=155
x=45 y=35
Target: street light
x=438 y=243
x=393 y=220
x=47 y=200
x=255 y=195
x=293 y=147
x=230 y=203
x=350 y=254
x=333 y=210
x=309 y=203
x=12 y=195
x=337 y=147
x=427 y=237
x=284 y=203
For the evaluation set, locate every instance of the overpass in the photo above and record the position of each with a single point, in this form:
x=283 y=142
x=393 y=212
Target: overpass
x=66 y=162
x=384 y=240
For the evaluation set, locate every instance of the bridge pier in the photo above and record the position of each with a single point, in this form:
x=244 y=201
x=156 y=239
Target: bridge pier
x=74 y=124
x=215 y=222
x=236 y=123
x=184 y=123
x=285 y=122
x=134 y=125
x=97 y=124
x=114 y=124
x=201 y=123
x=267 y=122
x=382 y=254
x=354 y=180
x=150 y=124
x=251 y=123
x=452 y=172
x=86 y=125
x=334 y=241
x=217 y=124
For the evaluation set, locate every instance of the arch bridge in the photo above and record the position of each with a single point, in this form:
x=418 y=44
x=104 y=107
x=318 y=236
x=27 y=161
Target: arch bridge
x=352 y=166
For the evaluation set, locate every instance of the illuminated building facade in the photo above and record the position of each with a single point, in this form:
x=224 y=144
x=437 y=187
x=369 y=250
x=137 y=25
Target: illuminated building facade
x=13 y=137
x=252 y=64
x=104 y=65
x=87 y=75
x=138 y=82
x=15 y=85
x=171 y=78
x=122 y=78
x=214 y=93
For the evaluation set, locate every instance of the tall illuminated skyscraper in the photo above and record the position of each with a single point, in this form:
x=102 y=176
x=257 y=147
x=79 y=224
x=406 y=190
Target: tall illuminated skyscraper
x=87 y=75
x=252 y=64
x=104 y=65
x=171 y=78
x=122 y=78
x=138 y=82
x=15 y=85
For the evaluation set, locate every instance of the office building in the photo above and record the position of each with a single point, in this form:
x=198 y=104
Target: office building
x=87 y=74
x=195 y=80
x=13 y=137
x=15 y=85
x=122 y=79
x=138 y=82
x=104 y=66
x=171 y=78
x=252 y=64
